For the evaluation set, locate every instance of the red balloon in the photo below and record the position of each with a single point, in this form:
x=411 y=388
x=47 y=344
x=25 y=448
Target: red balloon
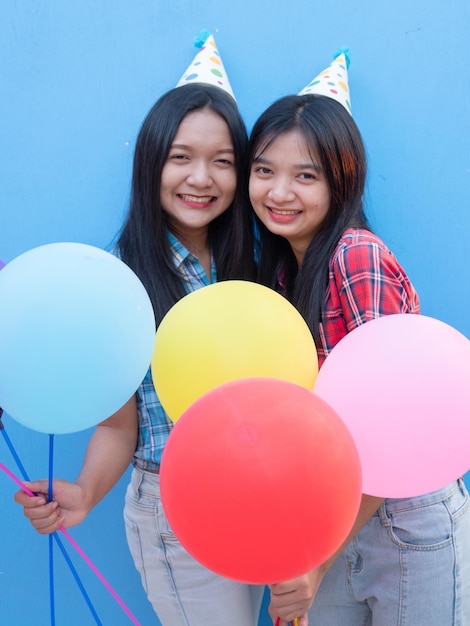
x=260 y=480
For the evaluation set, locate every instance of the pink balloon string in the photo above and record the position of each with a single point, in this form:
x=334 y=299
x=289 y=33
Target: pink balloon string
x=78 y=549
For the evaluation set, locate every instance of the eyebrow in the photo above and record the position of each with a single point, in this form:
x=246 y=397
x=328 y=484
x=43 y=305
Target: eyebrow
x=311 y=165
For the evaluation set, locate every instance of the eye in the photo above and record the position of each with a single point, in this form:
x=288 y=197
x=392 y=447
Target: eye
x=225 y=162
x=178 y=157
x=262 y=170
x=307 y=176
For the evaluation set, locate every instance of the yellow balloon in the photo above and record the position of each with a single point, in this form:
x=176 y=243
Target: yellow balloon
x=227 y=331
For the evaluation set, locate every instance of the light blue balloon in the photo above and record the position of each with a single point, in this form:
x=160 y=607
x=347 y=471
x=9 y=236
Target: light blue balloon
x=77 y=331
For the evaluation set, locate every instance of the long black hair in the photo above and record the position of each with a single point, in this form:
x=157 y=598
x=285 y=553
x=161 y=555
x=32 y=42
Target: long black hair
x=332 y=135
x=143 y=241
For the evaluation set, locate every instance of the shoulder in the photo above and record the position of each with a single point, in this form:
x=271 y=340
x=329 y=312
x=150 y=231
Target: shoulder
x=366 y=274
x=361 y=250
x=358 y=241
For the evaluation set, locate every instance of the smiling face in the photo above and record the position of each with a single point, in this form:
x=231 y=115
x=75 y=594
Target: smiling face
x=199 y=176
x=289 y=192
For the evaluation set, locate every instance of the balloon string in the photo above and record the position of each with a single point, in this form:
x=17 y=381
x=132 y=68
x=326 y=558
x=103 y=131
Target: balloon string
x=55 y=535
x=12 y=449
x=99 y=575
x=51 y=579
x=77 y=548
x=50 y=539
x=294 y=623
x=79 y=582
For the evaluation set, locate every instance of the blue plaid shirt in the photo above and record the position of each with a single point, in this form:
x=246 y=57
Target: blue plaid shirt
x=154 y=423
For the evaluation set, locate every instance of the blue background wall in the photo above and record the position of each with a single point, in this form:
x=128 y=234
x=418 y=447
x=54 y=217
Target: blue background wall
x=77 y=79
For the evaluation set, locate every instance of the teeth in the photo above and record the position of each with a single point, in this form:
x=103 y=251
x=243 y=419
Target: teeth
x=278 y=212
x=203 y=200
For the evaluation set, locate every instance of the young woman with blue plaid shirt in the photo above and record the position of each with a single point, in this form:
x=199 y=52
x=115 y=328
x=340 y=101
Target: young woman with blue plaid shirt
x=406 y=561
x=187 y=227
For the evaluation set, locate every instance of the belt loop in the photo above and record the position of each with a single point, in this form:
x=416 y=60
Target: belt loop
x=383 y=516
x=462 y=486
x=137 y=477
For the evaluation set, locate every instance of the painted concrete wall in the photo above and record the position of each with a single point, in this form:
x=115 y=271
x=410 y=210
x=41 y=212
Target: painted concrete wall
x=76 y=80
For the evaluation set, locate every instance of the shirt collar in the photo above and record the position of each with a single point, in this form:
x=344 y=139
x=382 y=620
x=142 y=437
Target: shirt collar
x=180 y=253
x=182 y=256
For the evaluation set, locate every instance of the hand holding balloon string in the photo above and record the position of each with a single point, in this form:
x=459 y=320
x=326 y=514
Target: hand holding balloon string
x=28 y=491
x=55 y=536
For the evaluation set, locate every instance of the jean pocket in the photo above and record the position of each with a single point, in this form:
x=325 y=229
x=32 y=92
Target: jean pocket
x=426 y=527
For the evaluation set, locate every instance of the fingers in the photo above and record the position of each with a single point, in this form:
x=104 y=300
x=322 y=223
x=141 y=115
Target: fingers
x=44 y=516
x=24 y=500
x=285 y=620
x=291 y=600
x=298 y=621
x=291 y=621
x=38 y=487
x=46 y=526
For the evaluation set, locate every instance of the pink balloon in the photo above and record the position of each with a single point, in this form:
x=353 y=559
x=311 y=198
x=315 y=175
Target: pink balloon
x=401 y=384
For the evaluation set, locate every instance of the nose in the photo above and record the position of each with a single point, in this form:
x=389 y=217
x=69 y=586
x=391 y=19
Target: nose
x=280 y=191
x=200 y=175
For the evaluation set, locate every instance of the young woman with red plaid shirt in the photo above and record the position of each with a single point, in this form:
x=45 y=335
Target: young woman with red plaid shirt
x=406 y=562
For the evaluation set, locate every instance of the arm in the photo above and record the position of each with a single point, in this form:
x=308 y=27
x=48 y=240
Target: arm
x=293 y=598
x=108 y=455
x=368 y=282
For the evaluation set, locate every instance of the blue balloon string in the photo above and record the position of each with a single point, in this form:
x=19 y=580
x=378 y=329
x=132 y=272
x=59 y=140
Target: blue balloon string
x=12 y=450
x=55 y=535
x=51 y=543
x=77 y=579
x=51 y=580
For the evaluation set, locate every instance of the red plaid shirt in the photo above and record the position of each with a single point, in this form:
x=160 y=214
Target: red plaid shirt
x=365 y=282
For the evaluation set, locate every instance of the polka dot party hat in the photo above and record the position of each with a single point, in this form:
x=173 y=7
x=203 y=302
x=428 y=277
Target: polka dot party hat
x=333 y=81
x=207 y=66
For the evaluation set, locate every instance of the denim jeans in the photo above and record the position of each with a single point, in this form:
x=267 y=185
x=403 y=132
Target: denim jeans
x=182 y=592
x=408 y=566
